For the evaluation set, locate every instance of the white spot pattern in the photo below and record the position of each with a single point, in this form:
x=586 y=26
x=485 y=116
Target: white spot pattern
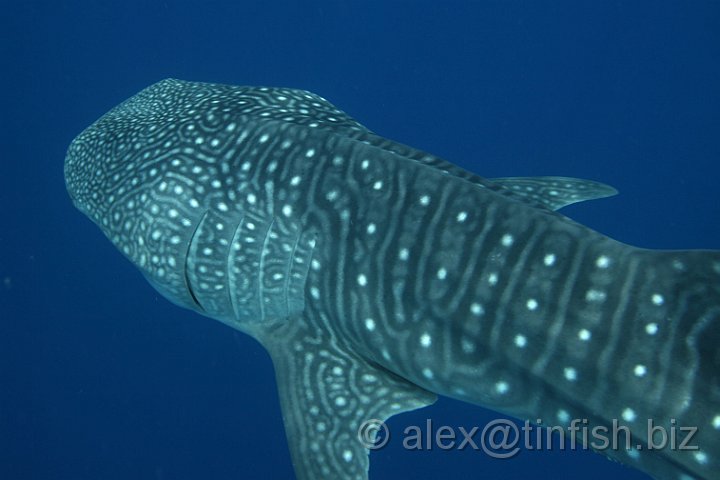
x=477 y=309
x=651 y=328
x=502 y=387
x=507 y=240
x=602 y=261
x=595 y=296
x=629 y=415
x=701 y=457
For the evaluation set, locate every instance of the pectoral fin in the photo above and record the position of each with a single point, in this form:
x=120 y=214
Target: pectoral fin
x=328 y=395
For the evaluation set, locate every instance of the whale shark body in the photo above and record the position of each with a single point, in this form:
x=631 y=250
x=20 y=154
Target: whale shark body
x=378 y=276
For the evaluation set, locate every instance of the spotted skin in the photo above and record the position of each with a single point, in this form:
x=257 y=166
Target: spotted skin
x=378 y=276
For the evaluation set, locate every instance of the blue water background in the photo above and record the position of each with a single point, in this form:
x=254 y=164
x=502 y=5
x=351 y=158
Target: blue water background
x=100 y=377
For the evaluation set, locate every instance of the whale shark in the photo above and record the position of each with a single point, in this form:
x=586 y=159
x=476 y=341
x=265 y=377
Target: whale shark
x=379 y=276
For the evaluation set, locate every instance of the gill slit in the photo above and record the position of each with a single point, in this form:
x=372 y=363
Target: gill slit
x=261 y=273
x=231 y=281
x=288 y=273
x=191 y=251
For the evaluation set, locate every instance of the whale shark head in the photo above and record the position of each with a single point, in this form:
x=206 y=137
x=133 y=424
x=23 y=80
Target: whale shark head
x=129 y=172
x=164 y=175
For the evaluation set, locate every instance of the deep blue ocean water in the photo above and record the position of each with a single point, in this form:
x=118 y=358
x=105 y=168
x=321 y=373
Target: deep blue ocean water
x=100 y=377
